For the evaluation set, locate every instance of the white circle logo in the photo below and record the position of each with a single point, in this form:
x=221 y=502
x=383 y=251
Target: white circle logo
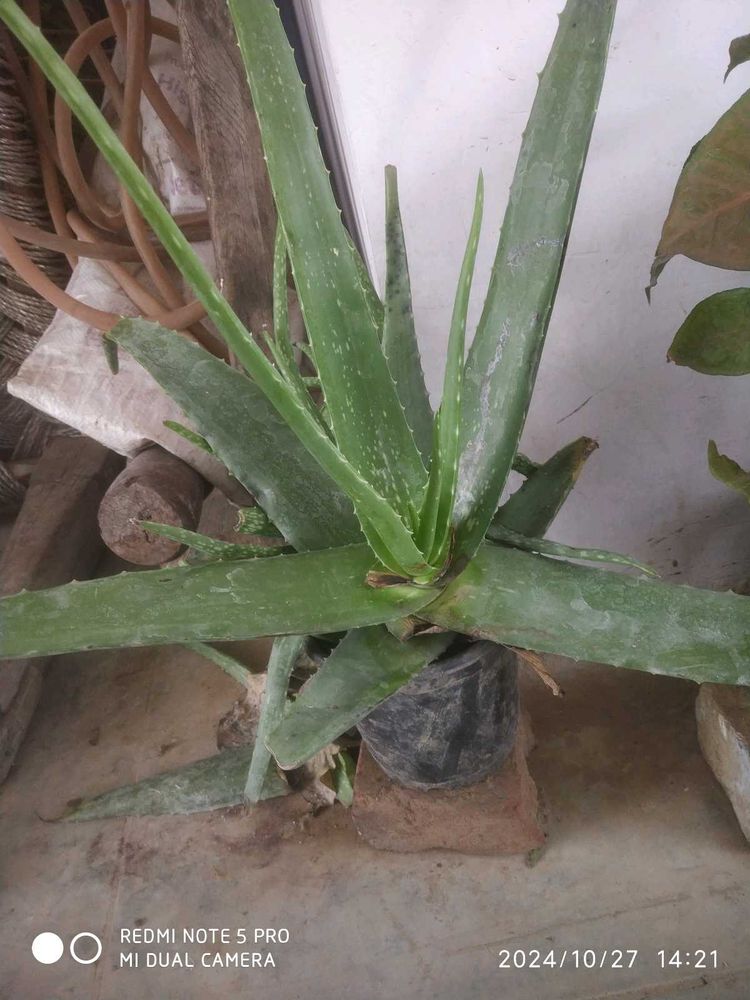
x=47 y=948
x=76 y=939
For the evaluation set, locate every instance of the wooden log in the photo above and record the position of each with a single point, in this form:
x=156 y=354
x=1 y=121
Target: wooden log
x=240 y=203
x=54 y=539
x=154 y=486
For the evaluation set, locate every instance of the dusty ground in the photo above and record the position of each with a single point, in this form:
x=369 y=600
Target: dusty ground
x=644 y=853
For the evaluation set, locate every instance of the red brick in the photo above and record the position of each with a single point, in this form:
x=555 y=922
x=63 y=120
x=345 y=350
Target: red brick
x=496 y=816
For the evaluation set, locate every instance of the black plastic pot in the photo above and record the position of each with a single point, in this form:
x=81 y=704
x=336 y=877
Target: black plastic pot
x=451 y=725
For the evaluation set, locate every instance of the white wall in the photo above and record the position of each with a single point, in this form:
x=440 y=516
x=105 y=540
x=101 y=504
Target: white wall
x=442 y=88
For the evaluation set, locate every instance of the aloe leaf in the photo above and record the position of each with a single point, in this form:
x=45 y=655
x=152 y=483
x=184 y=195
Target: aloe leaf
x=255 y=521
x=535 y=505
x=503 y=360
x=523 y=465
x=110 y=355
x=343 y=778
x=247 y=435
x=213 y=547
x=280 y=343
x=715 y=337
x=739 y=53
x=229 y=664
x=367 y=666
x=213 y=783
x=308 y=593
x=526 y=600
x=727 y=471
x=280 y=665
x=399 y=336
x=388 y=535
x=198 y=440
x=707 y=220
x=368 y=422
x=285 y=480
x=544 y=547
x=441 y=490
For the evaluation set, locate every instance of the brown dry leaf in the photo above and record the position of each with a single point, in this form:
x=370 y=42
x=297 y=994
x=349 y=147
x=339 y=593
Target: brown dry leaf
x=536 y=663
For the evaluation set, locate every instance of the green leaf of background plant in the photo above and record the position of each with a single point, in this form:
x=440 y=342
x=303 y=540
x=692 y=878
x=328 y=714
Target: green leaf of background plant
x=739 y=52
x=399 y=336
x=707 y=220
x=715 y=337
x=525 y=600
x=213 y=783
x=364 y=408
x=367 y=666
x=727 y=471
x=535 y=505
x=502 y=363
x=300 y=594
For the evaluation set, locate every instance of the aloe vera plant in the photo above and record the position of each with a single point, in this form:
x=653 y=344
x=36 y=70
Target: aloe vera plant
x=707 y=221
x=393 y=514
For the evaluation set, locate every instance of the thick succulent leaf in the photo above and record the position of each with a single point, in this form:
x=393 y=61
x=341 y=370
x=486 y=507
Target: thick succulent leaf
x=544 y=547
x=214 y=548
x=313 y=592
x=367 y=666
x=247 y=435
x=715 y=337
x=536 y=603
x=213 y=783
x=364 y=408
x=502 y=364
x=229 y=664
x=399 y=336
x=739 y=52
x=111 y=356
x=388 y=535
x=280 y=344
x=343 y=778
x=255 y=521
x=523 y=465
x=727 y=471
x=707 y=220
x=184 y=432
x=281 y=662
x=441 y=490
x=535 y=505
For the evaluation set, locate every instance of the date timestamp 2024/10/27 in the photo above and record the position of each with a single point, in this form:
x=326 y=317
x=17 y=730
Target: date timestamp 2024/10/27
x=606 y=958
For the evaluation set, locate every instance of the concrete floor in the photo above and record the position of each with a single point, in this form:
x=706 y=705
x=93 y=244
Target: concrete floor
x=644 y=853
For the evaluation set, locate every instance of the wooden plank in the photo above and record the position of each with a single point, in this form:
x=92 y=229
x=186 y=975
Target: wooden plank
x=238 y=192
x=54 y=539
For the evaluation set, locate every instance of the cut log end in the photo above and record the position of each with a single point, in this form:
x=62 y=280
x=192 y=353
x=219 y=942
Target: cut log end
x=155 y=486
